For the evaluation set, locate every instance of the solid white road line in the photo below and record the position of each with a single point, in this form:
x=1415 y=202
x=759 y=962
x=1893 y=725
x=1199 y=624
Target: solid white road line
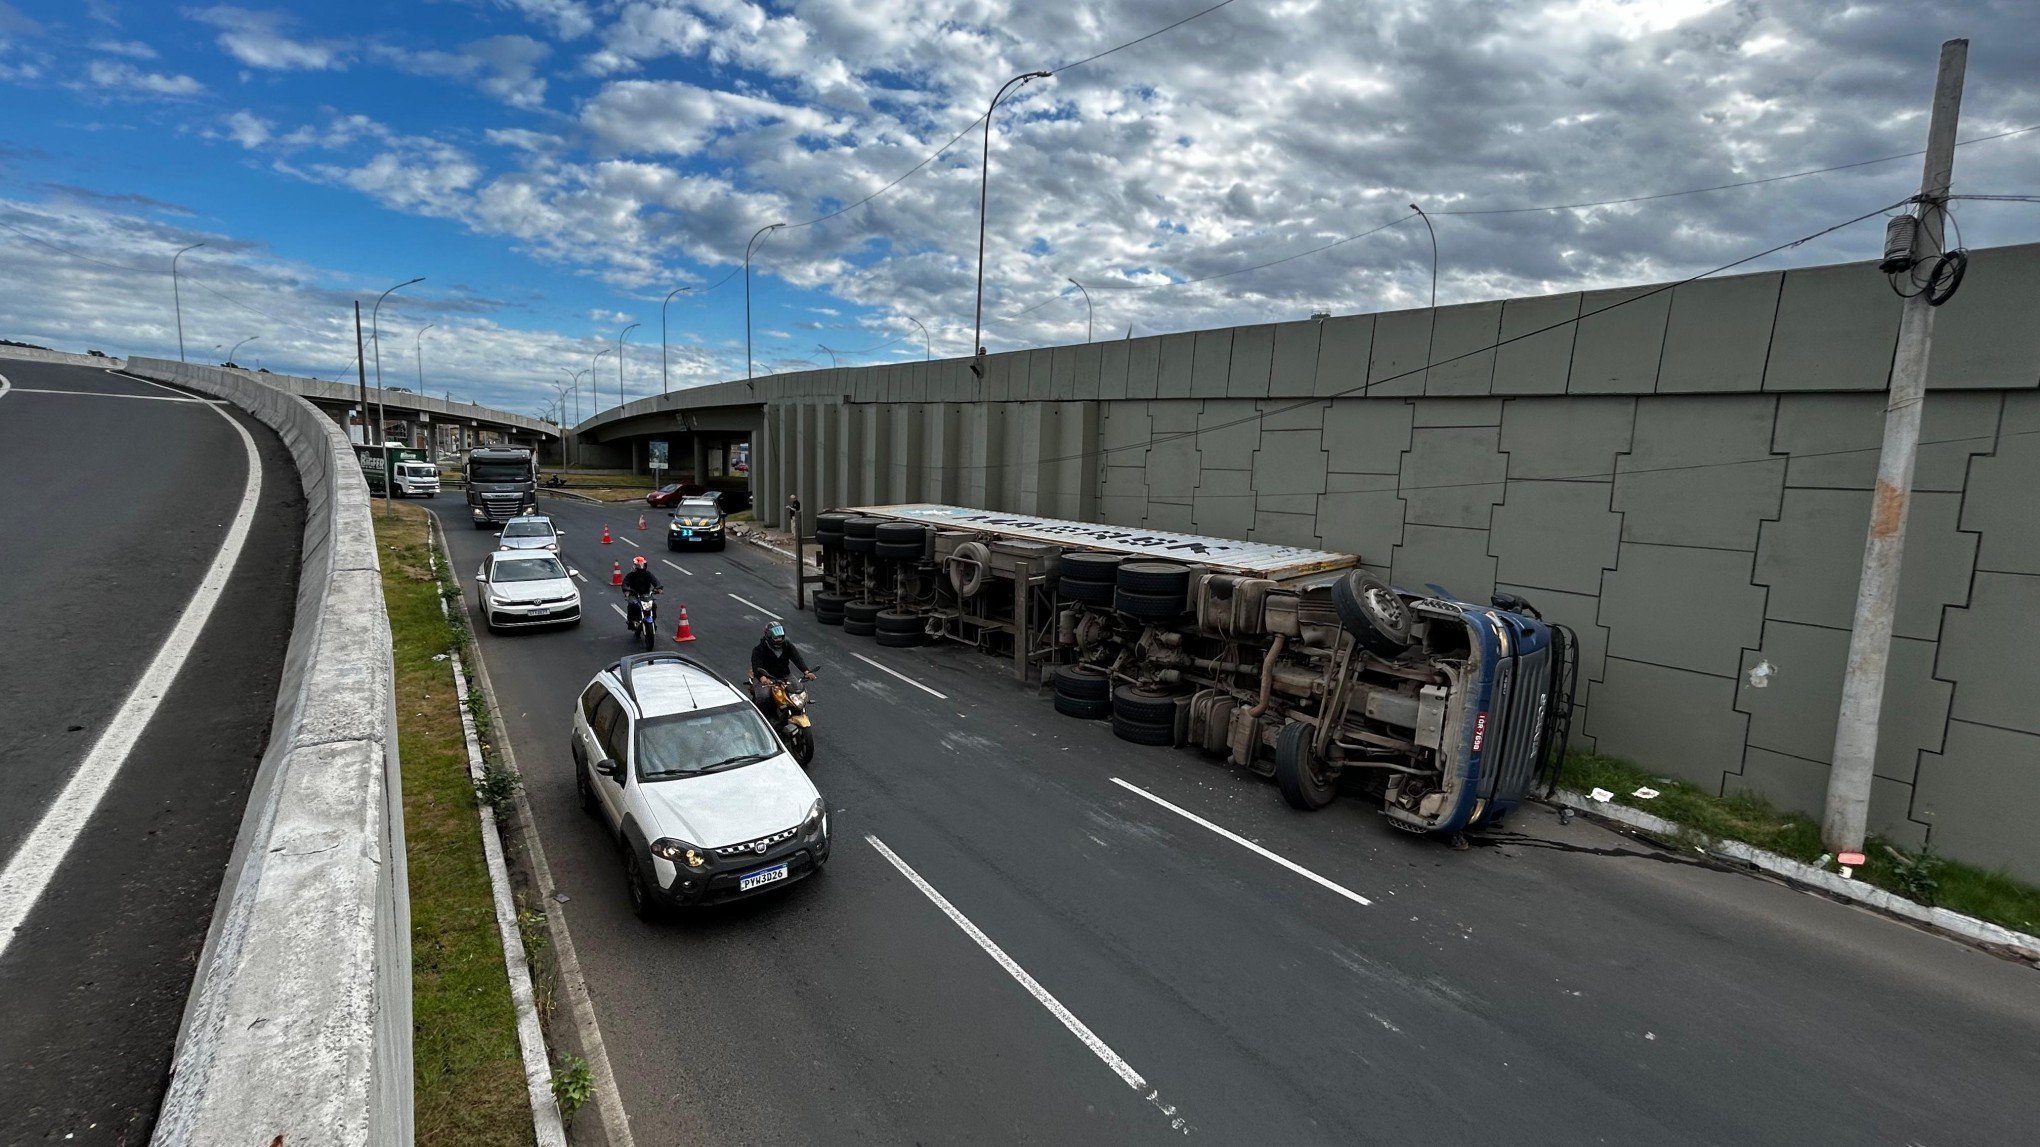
x=1249 y=845
x=5 y=386
x=678 y=566
x=760 y=608
x=898 y=674
x=1055 y=1008
x=29 y=871
x=105 y=394
x=619 y=611
x=627 y=541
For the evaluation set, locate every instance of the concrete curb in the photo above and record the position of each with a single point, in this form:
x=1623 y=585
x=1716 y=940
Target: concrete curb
x=608 y=1099
x=298 y=1024
x=761 y=543
x=1981 y=932
x=576 y=497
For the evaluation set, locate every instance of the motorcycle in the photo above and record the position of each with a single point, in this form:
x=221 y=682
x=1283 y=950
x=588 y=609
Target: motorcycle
x=790 y=698
x=644 y=619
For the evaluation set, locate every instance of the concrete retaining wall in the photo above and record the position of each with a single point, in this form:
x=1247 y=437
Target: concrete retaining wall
x=1684 y=479
x=299 y=1020
x=30 y=354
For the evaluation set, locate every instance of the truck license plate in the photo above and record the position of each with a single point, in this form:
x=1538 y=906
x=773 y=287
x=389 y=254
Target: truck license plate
x=762 y=877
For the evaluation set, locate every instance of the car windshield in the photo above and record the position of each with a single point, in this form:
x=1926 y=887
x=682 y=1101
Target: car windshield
x=669 y=488
x=530 y=569
x=498 y=472
x=700 y=505
x=688 y=744
x=418 y=470
x=527 y=530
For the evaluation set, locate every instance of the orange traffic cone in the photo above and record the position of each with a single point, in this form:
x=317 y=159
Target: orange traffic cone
x=616 y=573
x=605 y=534
x=640 y=521
x=684 y=631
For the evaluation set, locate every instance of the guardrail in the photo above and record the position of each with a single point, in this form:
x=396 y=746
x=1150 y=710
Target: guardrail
x=298 y=1026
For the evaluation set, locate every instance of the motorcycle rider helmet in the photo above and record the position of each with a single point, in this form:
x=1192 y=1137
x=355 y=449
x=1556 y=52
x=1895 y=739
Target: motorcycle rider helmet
x=775 y=636
x=638 y=561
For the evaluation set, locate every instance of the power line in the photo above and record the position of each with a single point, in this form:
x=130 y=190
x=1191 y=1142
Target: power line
x=1721 y=186
x=1363 y=388
x=1151 y=35
x=1576 y=206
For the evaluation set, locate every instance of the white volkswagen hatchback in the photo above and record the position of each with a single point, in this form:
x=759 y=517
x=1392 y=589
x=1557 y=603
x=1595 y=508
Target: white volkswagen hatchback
x=705 y=802
x=526 y=587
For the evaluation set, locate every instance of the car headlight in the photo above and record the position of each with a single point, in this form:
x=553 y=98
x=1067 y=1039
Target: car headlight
x=679 y=852
x=817 y=821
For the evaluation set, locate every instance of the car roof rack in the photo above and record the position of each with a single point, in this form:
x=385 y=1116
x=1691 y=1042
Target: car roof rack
x=633 y=661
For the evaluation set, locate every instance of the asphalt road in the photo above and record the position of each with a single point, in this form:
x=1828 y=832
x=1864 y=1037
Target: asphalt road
x=1561 y=985
x=113 y=504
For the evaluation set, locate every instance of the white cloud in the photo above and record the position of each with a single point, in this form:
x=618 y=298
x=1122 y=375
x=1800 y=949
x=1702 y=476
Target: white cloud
x=502 y=67
x=248 y=129
x=132 y=49
x=117 y=76
x=257 y=39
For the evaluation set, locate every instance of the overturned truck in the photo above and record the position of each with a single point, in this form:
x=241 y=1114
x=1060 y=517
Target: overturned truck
x=1294 y=663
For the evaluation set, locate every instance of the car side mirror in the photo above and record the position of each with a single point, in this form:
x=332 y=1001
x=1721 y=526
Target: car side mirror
x=573 y=572
x=481 y=577
x=608 y=768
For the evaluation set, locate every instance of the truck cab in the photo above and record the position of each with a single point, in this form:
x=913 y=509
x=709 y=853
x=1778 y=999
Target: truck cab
x=501 y=482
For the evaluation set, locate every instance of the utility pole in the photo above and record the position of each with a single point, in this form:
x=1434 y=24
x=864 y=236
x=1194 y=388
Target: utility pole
x=1863 y=682
x=177 y=297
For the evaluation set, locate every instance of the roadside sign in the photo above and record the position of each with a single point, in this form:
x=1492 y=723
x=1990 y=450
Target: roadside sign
x=658 y=448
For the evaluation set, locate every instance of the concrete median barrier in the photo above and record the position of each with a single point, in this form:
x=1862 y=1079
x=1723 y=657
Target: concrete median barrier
x=37 y=354
x=298 y=1026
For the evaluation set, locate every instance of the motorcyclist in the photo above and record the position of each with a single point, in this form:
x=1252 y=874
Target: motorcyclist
x=774 y=659
x=636 y=584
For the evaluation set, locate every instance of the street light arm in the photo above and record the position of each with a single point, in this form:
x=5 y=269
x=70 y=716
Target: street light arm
x=749 y=370
x=1434 y=252
x=977 y=334
x=177 y=296
x=1089 y=314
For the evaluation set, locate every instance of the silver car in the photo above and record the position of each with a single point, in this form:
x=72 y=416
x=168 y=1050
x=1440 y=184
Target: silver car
x=530 y=532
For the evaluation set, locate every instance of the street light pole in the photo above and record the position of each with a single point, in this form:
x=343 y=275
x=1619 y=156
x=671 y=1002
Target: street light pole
x=748 y=369
x=418 y=349
x=832 y=355
x=575 y=375
x=177 y=297
x=1089 y=314
x=375 y=340
x=665 y=387
x=619 y=361
x=1434 y=252
x=594 y=388
x=977 y=334
x=239 y=345
x=924 y=336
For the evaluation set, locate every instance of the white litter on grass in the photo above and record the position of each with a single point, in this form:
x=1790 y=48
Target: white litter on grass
x=439 y=657
x=1650 y=1035
x=1646 y=793
x=1602 y=795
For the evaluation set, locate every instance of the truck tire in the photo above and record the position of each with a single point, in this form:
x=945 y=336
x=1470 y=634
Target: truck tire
x=829 y=607
x=1082 y=709
x=1149 y=606
x=862 y=527
x=899 y=621
x=969 y=568
x=863 y=612
x=1298 y=773
x=856 y=545
x=1373 y=613
x=1145 y=706
x=1088 y=592
x=902 y=533
x=896 y=640
x=830 y=523
x=1091 y=567
x=1143 y=732
x=1083 y=683
x=1154 y=577
x=900 y=551
x=859 y=628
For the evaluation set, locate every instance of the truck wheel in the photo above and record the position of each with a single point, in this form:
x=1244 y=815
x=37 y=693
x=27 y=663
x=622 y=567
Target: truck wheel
x=1373 y=613
x=1163 y=578
x=1149 y=606
x=1144 y=732
x=1086 y=710
x=1298 y=773
x=1083 y=683
x=1088 y=592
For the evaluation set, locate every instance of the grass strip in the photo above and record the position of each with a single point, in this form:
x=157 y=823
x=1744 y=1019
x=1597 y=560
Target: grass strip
x=1923 y=876
x=469 y=1077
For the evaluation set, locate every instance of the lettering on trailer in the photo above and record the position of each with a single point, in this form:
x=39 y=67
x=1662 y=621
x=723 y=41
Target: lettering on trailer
x=1255 y=557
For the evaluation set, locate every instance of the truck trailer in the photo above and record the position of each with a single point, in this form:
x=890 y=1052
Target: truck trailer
x=1297 y=664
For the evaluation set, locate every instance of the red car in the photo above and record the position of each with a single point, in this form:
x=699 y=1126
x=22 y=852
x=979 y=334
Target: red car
x=670 y=494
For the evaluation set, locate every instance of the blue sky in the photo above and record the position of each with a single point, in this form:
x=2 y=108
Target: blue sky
x=555 y=166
